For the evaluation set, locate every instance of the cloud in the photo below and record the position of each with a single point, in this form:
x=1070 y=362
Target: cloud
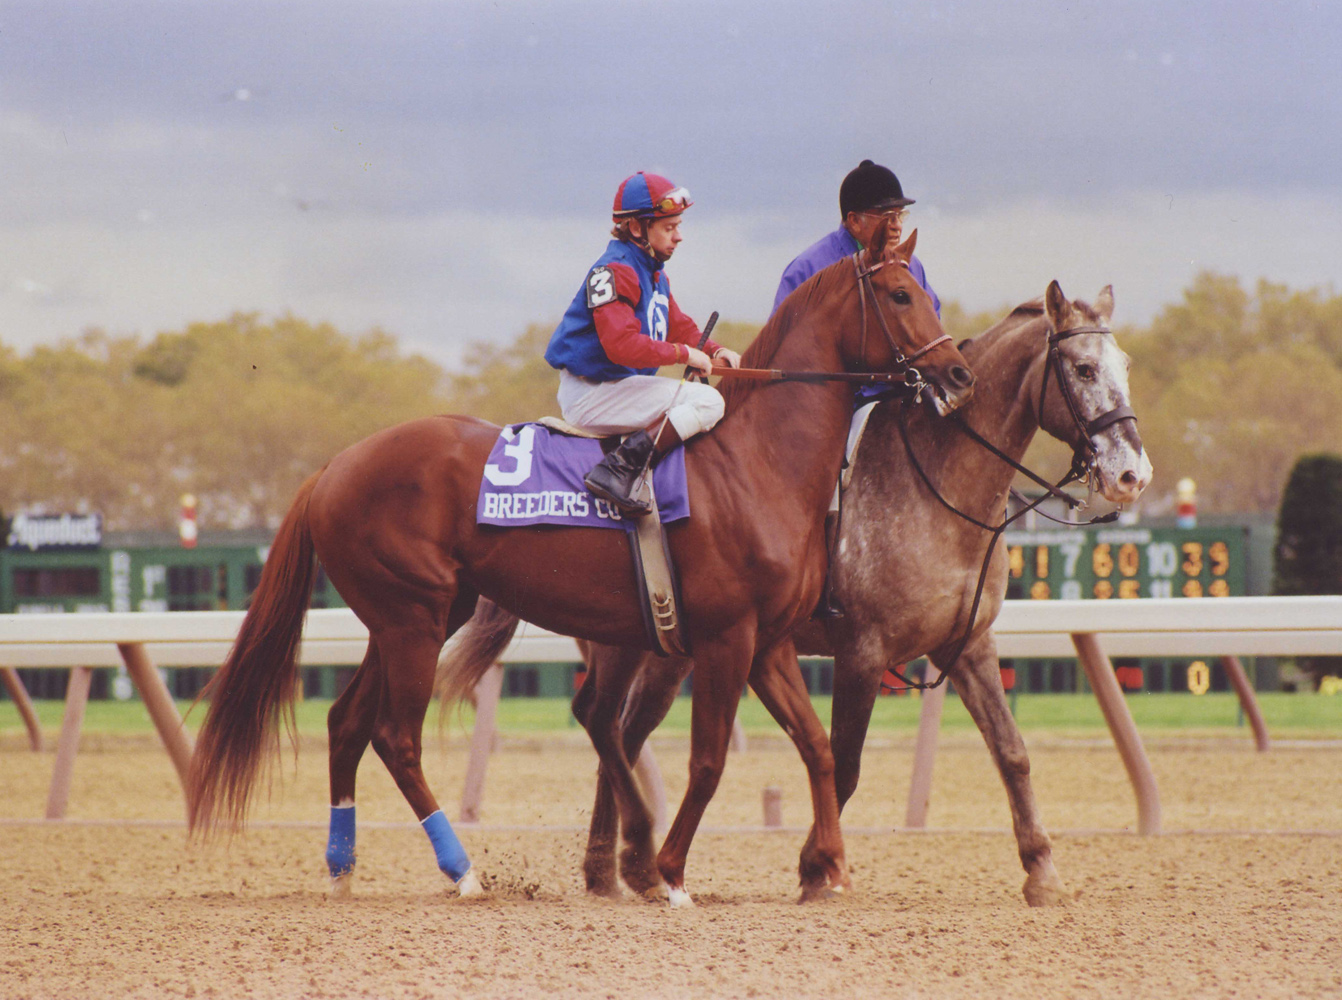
x=442 y=281
x=1148 y=244
x=444 y=170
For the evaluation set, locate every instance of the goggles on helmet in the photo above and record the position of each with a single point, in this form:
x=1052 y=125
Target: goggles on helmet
x=673 y=202
x=636 y=198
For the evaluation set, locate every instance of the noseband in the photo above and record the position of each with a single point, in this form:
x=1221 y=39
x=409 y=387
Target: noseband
x=1084 y=452
x=903 y=362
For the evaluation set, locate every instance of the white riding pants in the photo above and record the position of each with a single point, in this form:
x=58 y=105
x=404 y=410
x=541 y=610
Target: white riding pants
x=633 y=403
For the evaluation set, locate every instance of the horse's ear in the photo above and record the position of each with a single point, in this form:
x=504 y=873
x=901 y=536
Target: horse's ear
x=905 y=249
x=1059 y=309
x=1104 y=303
x=877 y=248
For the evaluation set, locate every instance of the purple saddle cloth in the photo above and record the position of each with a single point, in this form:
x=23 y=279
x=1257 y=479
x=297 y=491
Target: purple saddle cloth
x=534 y=476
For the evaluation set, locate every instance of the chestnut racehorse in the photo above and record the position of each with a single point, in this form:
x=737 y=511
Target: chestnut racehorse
x=907 y=566
x=393 y=522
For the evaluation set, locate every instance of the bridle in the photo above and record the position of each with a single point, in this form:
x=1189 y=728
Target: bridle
x=903 y=378
x=1084 y=453
x=1084 y=456
x=903 y=363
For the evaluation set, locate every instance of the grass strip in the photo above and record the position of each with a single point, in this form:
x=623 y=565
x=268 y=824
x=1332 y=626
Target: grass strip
x=1287 y=714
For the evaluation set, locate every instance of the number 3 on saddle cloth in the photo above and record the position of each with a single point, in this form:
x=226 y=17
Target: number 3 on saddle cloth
x=534 y=476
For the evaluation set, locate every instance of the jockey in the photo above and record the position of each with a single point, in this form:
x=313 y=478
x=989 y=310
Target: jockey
x=620 y=328
x=868 y=193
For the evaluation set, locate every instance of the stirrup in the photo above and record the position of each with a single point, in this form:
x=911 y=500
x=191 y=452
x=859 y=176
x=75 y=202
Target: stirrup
x=615 y=478
x=632 y=506
x=827 y=610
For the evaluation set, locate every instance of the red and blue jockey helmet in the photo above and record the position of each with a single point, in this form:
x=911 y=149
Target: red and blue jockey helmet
x=648 y=196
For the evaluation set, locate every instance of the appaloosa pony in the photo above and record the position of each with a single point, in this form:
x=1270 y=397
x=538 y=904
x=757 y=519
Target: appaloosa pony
x=908 y=565
x=393 y=521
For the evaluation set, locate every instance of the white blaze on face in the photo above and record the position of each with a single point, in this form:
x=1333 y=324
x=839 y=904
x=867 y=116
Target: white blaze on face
x=1145 y=472
x=1123 y=468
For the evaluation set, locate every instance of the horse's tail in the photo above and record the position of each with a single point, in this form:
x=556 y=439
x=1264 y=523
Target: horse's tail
x=255 y=687
x=473 y=650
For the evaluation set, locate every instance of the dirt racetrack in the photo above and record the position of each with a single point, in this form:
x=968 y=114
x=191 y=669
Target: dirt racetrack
x=1242 y=896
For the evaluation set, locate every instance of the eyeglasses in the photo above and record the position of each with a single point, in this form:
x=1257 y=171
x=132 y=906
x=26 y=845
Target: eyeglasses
x=673 y=200
x=893 y=214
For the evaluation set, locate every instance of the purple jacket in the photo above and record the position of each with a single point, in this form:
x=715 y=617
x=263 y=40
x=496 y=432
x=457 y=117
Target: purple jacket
x=830 y=250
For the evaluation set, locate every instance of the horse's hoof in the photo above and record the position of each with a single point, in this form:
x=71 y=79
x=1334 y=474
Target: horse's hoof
x=470 y=886
x=1046 y=890
x=678 y=898
x=342 y=886
x=659 y=893
x=605 y=890
x=816 y=893
x=641 y=884
x=822 y=891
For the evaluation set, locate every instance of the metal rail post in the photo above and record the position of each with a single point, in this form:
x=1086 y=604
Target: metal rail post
x=487 y=693
x=76 y=698
x=649 y=776
x=1100 y=673
x=19 y=695
x=158 y=702
x=925 y=750
x=1248 y=701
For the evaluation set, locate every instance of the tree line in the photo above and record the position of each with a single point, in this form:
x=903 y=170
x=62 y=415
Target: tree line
x=1231 y=385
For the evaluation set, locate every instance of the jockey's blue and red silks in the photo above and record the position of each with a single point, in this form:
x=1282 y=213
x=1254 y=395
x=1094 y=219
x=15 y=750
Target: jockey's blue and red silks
x=575 y=344
x=340 y=843
x=635 y=195
x=831 y=249
x=452 y=859
x=535 y=477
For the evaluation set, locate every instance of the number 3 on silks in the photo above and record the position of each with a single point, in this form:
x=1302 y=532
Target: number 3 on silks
x=600 y=287
x=520 y=452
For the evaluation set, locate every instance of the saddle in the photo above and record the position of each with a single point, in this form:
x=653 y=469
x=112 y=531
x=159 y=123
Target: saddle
x=659 y=598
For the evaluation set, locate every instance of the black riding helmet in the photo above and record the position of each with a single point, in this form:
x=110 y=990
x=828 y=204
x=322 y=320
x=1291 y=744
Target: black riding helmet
x=870 y=187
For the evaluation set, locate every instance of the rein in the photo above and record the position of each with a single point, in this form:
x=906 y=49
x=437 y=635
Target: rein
x=853 y=378
x=1083 y=463
x=905 y=374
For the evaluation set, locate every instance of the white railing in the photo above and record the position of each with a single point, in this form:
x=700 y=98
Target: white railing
x=1226 y=627
x=1211 y=626
x=1242 y=626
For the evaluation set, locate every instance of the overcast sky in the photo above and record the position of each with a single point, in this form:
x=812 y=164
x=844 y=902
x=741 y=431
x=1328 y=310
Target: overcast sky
x=445 y=170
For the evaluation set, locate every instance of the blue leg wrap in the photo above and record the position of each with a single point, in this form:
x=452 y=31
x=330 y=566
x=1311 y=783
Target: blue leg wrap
x=340 y=844
x=451 y=855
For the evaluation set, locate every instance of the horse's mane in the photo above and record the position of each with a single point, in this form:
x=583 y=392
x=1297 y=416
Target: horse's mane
x=760 y=353
x=1035 y=307
x=1026 y=312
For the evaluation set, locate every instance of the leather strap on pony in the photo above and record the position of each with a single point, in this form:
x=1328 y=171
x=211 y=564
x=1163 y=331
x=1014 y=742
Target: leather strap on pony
x=902 y=363
x=1083 y=453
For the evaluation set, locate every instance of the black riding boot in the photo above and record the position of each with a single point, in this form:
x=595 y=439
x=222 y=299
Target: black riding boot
x=829 y=607
x=616 y=476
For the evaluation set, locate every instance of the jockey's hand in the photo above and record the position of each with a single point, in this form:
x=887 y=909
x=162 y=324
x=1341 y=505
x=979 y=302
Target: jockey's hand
x=699 y=361
x=728 y=357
